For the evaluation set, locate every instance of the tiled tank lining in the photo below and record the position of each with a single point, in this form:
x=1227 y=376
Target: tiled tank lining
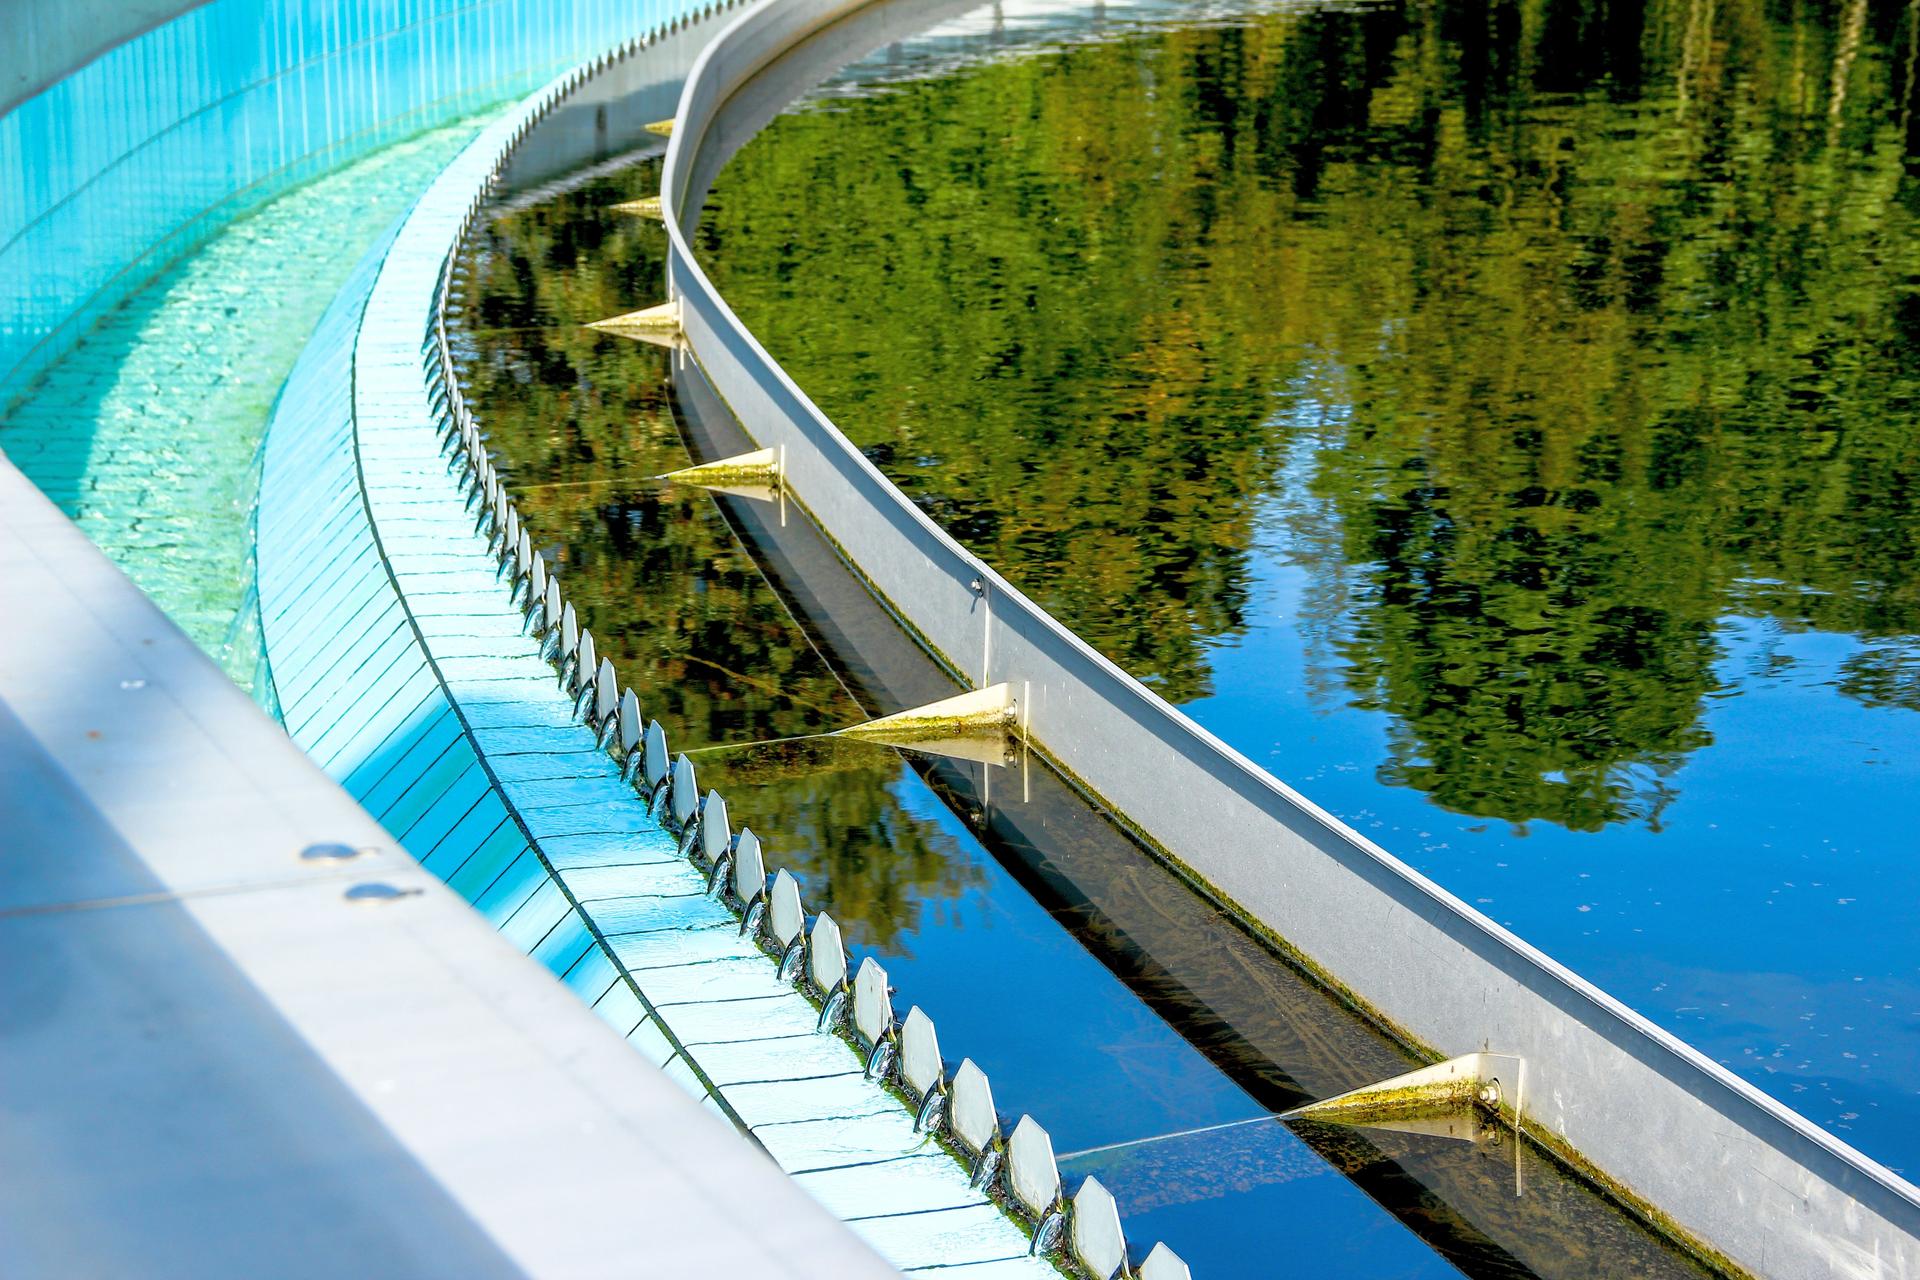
x=145 y=432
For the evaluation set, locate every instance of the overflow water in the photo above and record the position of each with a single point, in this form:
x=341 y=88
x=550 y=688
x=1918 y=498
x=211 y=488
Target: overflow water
x=1499 y=421
x=1150 y=1035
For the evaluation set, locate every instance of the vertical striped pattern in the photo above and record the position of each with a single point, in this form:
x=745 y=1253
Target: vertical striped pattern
x=143 y=153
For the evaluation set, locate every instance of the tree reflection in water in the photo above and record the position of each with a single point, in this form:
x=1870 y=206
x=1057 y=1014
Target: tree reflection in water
x=1460 y=406
x=579 y=423
x=1598 y=324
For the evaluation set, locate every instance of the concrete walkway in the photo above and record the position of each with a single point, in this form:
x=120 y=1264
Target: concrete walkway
x=220 y=1055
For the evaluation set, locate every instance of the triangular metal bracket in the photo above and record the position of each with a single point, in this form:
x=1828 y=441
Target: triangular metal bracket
x=996 y=749
x=982 y=713
x=758 y=474
x=1452 y=1124
x=1490 y=1080
x=658 y=324
x=645 y=207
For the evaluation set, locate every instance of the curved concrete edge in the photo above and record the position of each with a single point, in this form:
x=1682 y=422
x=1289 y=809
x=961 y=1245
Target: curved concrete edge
x=225 y=1057
x=1718 y=1161
x=359 y=689
x=402 y=666
x=761 y=1048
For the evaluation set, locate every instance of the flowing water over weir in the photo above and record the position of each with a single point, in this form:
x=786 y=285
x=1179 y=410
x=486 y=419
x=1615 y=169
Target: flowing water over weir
x=1498 y=422
x=1153 y=1037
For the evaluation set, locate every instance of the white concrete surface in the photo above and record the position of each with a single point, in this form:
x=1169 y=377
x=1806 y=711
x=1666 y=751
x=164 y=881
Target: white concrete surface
x=218 y=1057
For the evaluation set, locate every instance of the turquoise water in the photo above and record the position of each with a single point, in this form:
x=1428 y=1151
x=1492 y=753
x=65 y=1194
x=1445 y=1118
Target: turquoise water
x=145 y=433
x=142 y=154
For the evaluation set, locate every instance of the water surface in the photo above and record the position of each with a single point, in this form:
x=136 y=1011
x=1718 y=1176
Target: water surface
x=1499 y=421
x=1070 y=966
x=146 y=433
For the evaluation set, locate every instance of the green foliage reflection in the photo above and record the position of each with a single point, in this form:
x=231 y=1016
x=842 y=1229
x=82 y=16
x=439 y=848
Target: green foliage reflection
x=579 y=423
x=1588 y=325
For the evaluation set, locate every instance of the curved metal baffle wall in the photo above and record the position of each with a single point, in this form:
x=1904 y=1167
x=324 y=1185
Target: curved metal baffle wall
x=467 y=707
x=1741 y=1177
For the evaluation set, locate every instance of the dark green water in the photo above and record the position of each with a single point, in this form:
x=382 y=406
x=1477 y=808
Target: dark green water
x=1501 y=421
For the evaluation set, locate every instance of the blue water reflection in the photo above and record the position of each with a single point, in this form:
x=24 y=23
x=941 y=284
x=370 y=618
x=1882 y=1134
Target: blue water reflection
x=1005 y=981
x=1761 y=908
